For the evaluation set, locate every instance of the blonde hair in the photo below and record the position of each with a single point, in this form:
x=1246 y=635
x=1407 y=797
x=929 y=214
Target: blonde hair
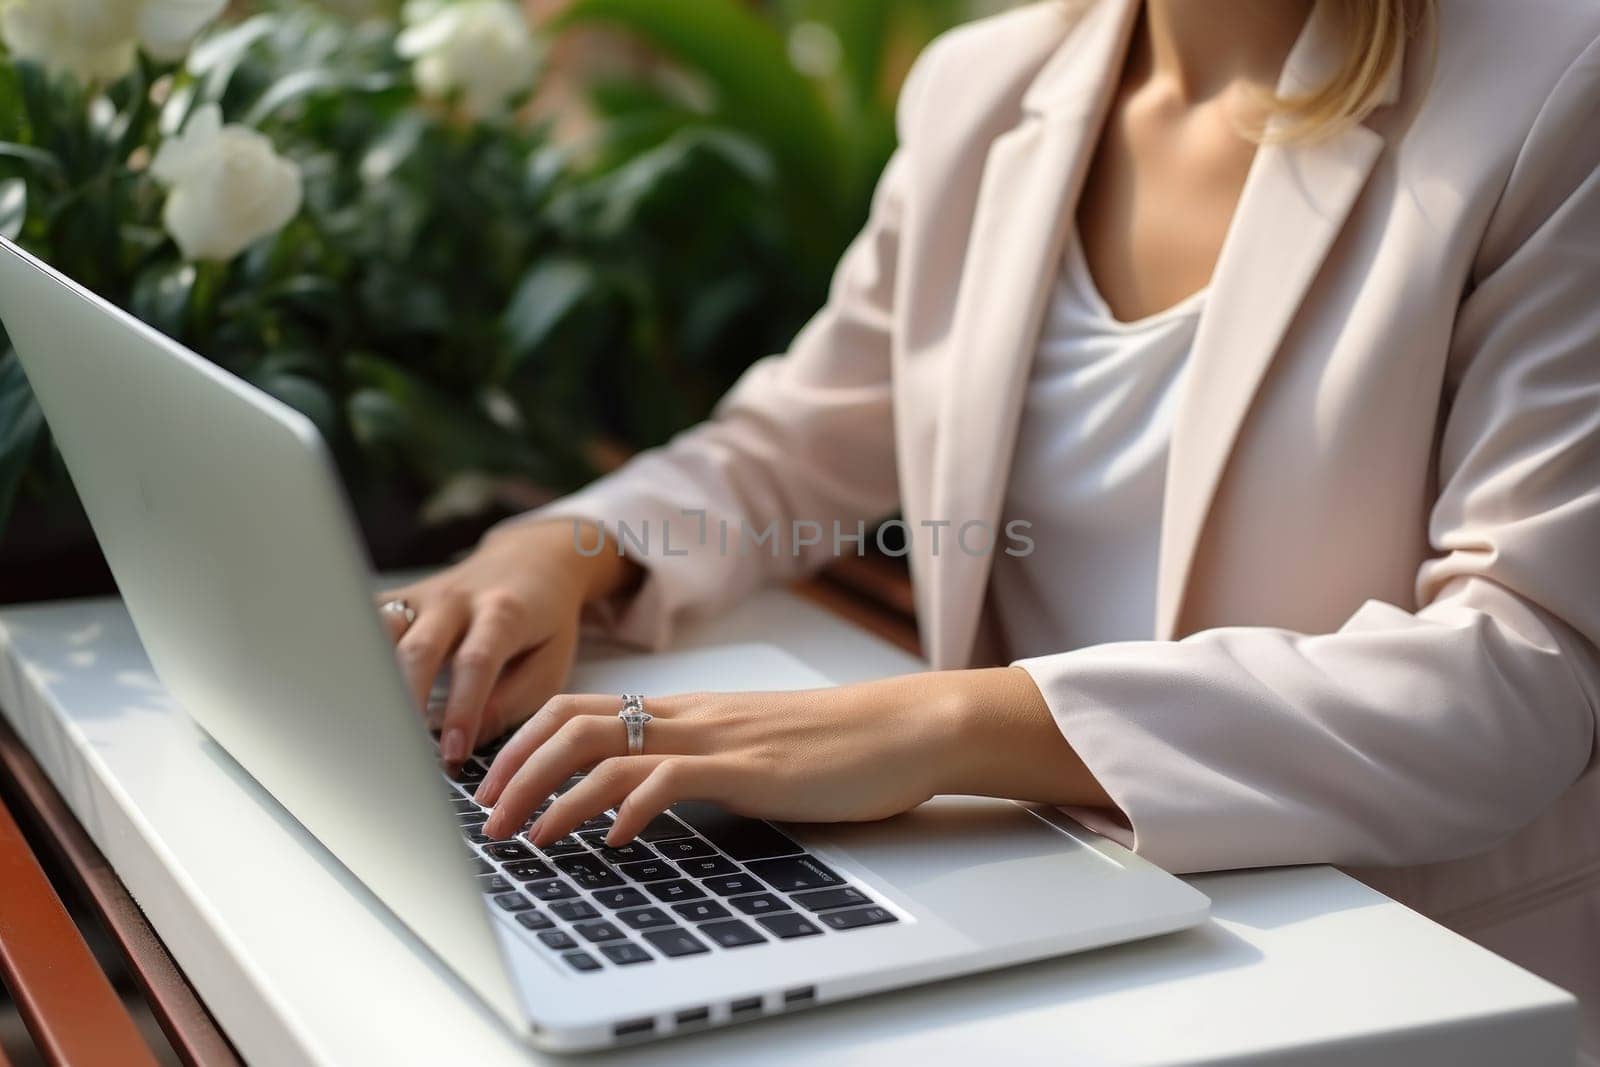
x=1377 y=32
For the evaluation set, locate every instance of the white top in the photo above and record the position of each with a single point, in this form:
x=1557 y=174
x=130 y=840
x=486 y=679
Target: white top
x=302 y=966
x=1090 y=469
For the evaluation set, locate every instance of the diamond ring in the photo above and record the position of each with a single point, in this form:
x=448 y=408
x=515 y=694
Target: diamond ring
x=634 y=717
x=402 y=610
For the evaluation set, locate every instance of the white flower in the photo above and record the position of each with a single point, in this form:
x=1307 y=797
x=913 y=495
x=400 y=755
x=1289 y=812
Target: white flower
x=481 y=49
x=95 y=40
x=90 y=39
x=168 y=27
x=229 y=187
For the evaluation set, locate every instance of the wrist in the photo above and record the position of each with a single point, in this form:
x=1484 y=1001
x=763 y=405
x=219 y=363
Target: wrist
x=1000 y=739
x=597 y=569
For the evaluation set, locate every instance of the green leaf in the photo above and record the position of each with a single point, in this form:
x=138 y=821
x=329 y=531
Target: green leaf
x=161 y=296
x=378 y=421
x=37 y=158
x=672 y=174
x=745 y=59
x=304 y=83
x=13 y=207
x=547 y=295
x=215 y=59
x=442 y=435
x=21 y=423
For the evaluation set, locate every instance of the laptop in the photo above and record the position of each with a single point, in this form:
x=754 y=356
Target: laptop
x=233 y=546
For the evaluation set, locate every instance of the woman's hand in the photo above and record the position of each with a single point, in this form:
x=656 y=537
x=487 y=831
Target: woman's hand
x=505 y=620
x=848 y=754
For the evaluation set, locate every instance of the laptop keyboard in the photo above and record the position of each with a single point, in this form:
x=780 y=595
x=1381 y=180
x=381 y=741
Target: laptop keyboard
x=696 y=880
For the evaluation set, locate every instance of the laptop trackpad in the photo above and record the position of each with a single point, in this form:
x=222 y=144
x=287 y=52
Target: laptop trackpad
x=988 y=867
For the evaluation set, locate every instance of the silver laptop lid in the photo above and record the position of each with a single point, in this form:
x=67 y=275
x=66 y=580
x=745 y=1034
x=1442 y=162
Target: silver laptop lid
x=221 y=515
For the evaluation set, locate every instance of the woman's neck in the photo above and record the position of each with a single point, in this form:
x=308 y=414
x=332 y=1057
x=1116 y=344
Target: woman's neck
x=1200 y=48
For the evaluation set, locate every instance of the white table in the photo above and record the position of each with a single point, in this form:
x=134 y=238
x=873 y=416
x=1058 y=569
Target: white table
x=301 y=965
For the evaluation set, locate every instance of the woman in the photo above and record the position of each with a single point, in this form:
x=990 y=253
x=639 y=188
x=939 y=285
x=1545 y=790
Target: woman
x=1278 y=324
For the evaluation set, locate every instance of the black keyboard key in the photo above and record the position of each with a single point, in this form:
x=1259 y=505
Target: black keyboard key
x=535 y=920
x=760 y=904
x=596 y=822
x=574 y=910
x=649 y=870
x=589 y=871
x=558 y=940
x=554 y=889
x=675 y=942
x=494 y=883
x=729 y=885
x=599 y=930
x=856 y=918
x=465 y=807
x=481 y=866
x=732 y=934
x=568 y=784
x=469 y=773
x=513 y=902
x=697 y=911
x=675 y=890
x=478 y=837
x=530 y=871
x=686 y=848
x=582 y=961
x=626 y=897
x=741 y=838
x=795 y=873
x=828 y=899
x=663 y=827
x=625 y=953
x=633 y=853
x=567 y=846
x=645 y=918
x=471 y=824
x=706 y=866
x=789 y=924
x=510 y=850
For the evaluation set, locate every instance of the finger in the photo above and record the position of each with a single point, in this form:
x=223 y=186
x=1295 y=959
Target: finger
x=528 y=682
x=551 y=716
x=394 y=622
x=604 y=787
x=583 y=742
x=490 y=642
x=427 y=644
x=673 y=779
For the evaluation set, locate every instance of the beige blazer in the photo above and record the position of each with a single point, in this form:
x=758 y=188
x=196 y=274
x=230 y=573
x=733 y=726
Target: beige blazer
x=1379 y=591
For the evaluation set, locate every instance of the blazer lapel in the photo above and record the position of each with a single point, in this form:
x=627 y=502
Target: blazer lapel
x=1031 y=181
x=1293 y=206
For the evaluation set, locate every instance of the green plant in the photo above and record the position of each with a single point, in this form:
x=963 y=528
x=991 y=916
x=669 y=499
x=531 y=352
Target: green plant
x=460 y=298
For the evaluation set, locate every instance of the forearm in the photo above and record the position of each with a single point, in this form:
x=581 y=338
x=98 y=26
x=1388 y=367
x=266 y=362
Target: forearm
x=1003 y=741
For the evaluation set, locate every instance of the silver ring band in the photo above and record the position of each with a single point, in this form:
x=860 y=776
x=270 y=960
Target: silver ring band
x=634 y=717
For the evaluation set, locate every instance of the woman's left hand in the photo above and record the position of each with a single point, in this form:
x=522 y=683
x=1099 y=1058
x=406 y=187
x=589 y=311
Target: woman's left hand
x=847 y=754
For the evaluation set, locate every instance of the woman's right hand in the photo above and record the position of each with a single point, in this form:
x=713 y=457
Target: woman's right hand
x=505 y=621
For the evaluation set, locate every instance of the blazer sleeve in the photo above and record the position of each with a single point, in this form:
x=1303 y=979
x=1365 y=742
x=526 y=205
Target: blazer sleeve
x=805 y=437
x=1406 y=737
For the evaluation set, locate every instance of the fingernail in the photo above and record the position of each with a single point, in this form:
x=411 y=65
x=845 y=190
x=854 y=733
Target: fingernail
x=453 y=746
